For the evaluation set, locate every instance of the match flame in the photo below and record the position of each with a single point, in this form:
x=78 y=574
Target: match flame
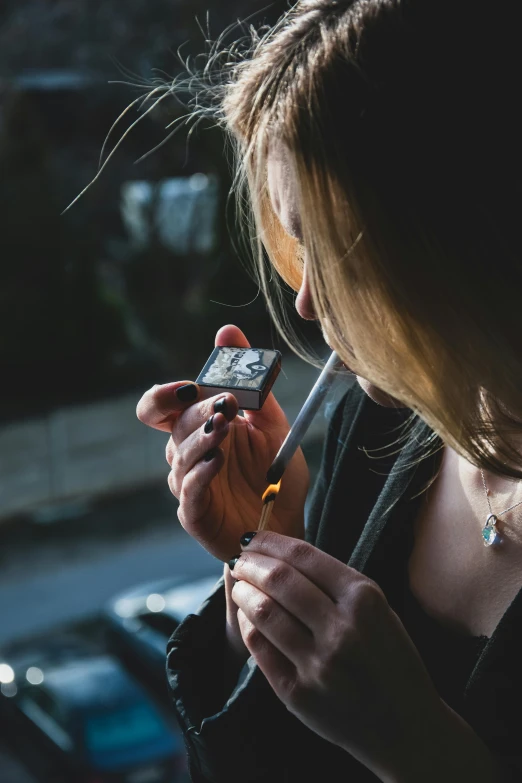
x=272 y=489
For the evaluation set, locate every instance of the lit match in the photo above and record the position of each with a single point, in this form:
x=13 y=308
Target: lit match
x=297 y=432
x=268 y=498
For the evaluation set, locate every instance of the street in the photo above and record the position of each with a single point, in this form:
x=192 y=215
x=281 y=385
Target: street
x=35 y=602
x=11 y=770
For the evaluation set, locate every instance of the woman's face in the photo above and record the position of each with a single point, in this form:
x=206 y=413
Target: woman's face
x=282 y=185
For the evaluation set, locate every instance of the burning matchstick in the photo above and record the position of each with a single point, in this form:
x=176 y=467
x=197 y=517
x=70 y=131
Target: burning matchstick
x=269 y=496
x=296 y=434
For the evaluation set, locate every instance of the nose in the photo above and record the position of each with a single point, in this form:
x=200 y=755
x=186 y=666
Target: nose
x=303 y=301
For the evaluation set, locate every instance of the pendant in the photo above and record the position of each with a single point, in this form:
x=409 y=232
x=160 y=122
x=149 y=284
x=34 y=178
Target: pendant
x=490 y=533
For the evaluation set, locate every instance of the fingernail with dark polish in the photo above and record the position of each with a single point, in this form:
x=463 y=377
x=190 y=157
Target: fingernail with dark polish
x=221 y=406
x=209 y=425
x=246 y=538
x=209 y=456
x=187 y=393
x=232 y=563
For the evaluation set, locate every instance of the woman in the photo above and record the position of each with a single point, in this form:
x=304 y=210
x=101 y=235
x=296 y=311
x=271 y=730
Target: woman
x=379 y=140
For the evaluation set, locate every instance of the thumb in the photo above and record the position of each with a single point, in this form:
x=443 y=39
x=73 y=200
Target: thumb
x=271 y=415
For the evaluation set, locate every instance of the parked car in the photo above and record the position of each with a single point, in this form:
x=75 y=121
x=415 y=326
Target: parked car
x=76 y=715
x=140 y=621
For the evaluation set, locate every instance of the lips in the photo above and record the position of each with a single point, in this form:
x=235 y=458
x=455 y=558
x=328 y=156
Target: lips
x=349 y=369
x=346 y=366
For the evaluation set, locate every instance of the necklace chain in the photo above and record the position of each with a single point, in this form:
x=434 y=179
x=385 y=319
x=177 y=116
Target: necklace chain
x=489 y=504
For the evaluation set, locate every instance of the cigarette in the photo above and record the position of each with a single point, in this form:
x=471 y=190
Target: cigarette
x=304 y=418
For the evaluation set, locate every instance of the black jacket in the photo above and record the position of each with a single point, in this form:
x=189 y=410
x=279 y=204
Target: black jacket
x=360 y=513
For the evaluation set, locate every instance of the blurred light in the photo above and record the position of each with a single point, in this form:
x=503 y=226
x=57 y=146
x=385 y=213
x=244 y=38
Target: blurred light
x=131 y=624
x=155 y=602
x=7 y=675
x=124 y=607
x=198 y=182
x=34 y=675
x=9 y=689
x=179 y=211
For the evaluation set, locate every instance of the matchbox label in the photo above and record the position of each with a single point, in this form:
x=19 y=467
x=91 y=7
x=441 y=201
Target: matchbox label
x=246 y=368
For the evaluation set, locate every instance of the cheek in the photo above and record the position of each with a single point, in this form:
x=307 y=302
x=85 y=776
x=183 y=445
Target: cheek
x=377 y=395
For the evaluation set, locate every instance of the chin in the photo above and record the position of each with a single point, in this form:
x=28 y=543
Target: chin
x=372 y=391
x=377 y=395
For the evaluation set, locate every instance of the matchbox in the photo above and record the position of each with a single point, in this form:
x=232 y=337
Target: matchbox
x=248 y=373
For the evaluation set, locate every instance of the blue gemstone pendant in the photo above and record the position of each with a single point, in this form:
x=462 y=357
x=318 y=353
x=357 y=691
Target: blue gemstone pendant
x=490 y=533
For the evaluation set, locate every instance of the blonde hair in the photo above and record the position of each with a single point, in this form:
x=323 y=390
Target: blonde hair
x=401 y=120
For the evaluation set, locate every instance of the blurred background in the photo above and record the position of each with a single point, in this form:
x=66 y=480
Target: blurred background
x=124 y=290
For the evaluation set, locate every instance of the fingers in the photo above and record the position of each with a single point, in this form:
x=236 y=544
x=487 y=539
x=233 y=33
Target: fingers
x=160 y=405
x=270 y=619
x=329 y=574
x=197 y=415
x=286 y=585
x=231 y=335
x=163 y=406
x=278 y=670
x=195 y=448
x=195 y=496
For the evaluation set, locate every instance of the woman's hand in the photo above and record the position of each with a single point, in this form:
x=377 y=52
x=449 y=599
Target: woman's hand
x=334 y=652
x=220 y=497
